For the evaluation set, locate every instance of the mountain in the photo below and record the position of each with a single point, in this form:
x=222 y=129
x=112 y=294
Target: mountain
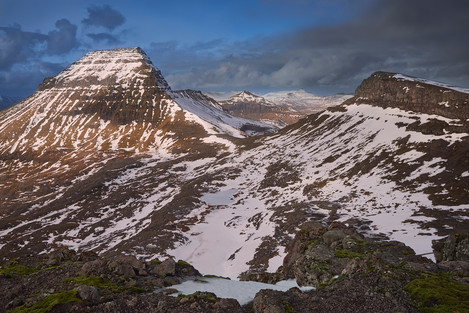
x=106 y=157
x=67 y=151
x=248 y=105
x=305 y=102
x=279 y=108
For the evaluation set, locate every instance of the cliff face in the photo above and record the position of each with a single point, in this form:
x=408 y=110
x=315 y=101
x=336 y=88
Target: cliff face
x=418 y=95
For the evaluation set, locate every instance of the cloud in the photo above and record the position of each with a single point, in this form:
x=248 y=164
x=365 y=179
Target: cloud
x=17 y=45
x=62 y=40
x=104 y=16
x=104 y=37
x=421 y=38
x=24 y=78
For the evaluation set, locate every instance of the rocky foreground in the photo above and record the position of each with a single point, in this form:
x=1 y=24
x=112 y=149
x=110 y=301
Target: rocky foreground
x=351 y=274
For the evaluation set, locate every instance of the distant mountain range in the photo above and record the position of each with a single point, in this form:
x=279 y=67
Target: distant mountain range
x=279 y=108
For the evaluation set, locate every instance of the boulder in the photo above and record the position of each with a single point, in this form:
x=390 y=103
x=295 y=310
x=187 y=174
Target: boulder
x=89 y=293
x=165 y=268
x=455 y=247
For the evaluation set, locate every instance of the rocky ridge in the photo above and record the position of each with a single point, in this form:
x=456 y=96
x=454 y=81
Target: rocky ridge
x=410 y=93
x=350 y=272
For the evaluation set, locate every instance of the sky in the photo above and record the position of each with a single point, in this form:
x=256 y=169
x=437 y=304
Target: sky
x=322 y=46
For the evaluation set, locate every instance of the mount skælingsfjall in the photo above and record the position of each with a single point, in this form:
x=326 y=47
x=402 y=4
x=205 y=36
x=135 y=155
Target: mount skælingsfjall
x=106 y=157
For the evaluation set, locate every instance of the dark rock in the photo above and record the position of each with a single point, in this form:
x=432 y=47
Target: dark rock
x=94 y=266
x=455 y=247
x=332 y=236
x=89 y=293
x=386 y=90
x=268 y=301
x=165 y=268
x=184 y=269
x=123 y=269
x=133 y=261
x=461 y=267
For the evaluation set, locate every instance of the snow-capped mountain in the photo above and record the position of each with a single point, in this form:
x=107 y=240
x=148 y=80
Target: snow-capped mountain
x=248 y=105
x=279 y=108
x=106 y=157
x=303 y=101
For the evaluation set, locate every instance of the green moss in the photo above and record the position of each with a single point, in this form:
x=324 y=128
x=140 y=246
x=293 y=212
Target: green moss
x=155 y=261
x=344 y=253
x=181 y=262
x=287 y=307
x=49 y=302
x=200 y=280
x=434 y=293
x=13 y=270
x=101 y=283
x=200 y=295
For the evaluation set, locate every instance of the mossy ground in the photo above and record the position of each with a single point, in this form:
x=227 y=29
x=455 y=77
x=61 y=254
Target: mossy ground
x=344 y=253
x=438 y=294
x=17 y=270
x=49 y=302
x=101 y=283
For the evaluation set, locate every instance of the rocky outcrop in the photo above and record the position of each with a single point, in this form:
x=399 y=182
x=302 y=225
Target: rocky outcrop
x=452 y=253
x=319 y=255
x=351 y=274
x=412 y=94
x=66 y=281
x=356 y=274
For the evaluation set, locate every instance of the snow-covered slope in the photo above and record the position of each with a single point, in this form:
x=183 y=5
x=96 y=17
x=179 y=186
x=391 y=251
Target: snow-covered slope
x=248 y=97
x=212 y=112
x=369 y=166
x=390 y=166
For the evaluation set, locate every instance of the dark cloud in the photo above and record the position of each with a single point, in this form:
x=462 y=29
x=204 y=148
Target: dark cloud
x=104 y=37
x=421 y=38
x=23 y=79
x=17 y=45
x=104 y=16
x=62 y=40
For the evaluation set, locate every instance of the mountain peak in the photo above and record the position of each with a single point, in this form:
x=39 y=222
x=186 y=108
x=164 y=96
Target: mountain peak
x=248 y=97
x=416 y=94
x=123 y=67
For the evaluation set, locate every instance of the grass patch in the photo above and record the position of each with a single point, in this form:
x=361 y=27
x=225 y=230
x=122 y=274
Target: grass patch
x=49 y=302
x=436 y=294
x=344 y=253
x=101 y=283
x=181 y=262
x=155 y=261
x=16 y=270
